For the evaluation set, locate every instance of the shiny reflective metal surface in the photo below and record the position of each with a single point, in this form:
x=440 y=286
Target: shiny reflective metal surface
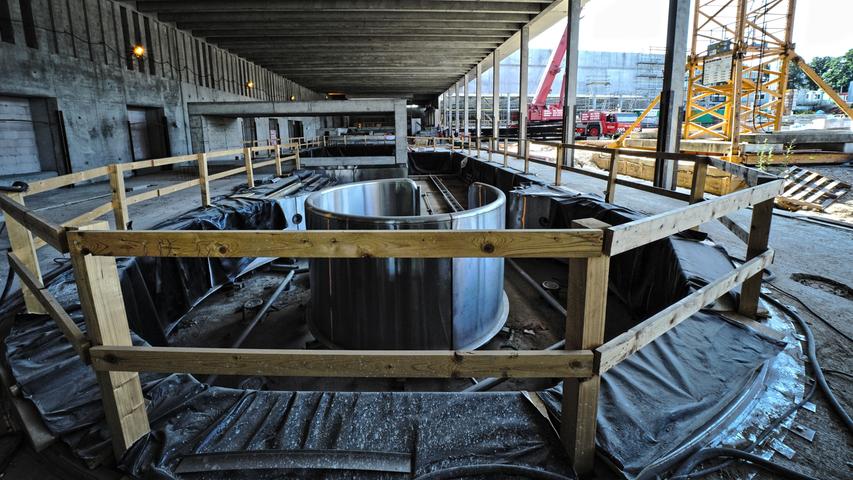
x=404 y=303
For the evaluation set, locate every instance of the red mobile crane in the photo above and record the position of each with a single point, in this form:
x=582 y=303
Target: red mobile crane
x=539 y=111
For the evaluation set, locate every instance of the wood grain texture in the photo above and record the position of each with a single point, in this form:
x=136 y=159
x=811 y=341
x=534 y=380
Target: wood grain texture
x=52 y=234
x=585 y=320
x=160 y=192
x=52 y=307
x=759 y=237
x=106 y=322
x=24 y=248
x=48 y=184
x=640 y=232
x=610 y=354
x=341 y=244
x=119 y=197
x=345 y=363
x=203 y=180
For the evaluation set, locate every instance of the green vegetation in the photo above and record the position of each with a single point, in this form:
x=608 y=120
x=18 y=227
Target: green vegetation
x=836 y=71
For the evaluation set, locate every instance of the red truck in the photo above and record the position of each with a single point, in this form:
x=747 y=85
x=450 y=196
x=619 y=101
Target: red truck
x=604 y=124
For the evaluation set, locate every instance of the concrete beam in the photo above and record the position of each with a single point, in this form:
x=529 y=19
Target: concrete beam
x=295 y=109
x=452 y=6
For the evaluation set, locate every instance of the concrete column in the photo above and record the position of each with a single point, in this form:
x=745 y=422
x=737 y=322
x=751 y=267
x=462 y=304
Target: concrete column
x=522 y=88
x=571 y=80
x=465 y=103
x=400 y=130
x=496 y=94
x=456 y=105
x=672 y=94
x=478 y=103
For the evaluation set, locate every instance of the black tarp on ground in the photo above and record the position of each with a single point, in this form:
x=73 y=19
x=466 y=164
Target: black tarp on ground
x=159 y=291
x=695 y=370
x=669 y=391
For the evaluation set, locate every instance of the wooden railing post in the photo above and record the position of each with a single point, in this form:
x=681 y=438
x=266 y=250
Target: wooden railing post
x=24 y=247
x=610 y=193
x=250 y=174
x=558 y=168
x=278 y=172
x=122 y=216
x=759 y=236
x=106 y=321
x=697 y=189
x=585 y=315
x=299 y=159
x=203 y=181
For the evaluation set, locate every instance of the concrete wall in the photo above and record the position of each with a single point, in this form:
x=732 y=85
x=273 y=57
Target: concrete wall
x=80 y=60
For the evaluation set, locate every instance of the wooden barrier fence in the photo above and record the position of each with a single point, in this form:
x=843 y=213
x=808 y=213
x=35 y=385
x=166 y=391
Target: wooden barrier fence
x=588 y=246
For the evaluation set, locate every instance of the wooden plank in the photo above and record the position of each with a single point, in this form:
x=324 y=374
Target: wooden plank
x=278 y=172
x=250 y=174
x=610 y=191
x=159 y=162
x=52 y=307
x=585 y=317
x=641 y=232
x=345 y=363
x=611 y=353
x=759 y=236
x=23 y=246
x=226 y=173
x=119 y=199
x=736 y=229
x=48 y=184
x=341 y=243
x=103 y=307
x=12 y=205
x=225 y=153
x=160 y=192
x=203 y=180
x=697 y=188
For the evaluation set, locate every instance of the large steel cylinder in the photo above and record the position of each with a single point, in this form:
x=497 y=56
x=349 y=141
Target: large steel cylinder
x=404 y=303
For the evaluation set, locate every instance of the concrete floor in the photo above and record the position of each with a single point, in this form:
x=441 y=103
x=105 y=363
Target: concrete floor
x=802 y=247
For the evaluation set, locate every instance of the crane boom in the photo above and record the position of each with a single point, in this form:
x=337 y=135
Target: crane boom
x=539 y=111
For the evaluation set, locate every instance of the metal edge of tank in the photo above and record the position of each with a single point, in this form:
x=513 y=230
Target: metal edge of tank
x=491 y=201
x=487 y=274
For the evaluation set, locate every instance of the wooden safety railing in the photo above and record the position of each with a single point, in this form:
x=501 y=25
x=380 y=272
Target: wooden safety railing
x=588 y=246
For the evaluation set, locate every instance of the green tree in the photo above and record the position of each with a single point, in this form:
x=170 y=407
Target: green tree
x=836 y=71
x=839 y=72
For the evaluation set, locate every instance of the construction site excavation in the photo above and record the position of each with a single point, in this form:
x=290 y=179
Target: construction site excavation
x=432 y=240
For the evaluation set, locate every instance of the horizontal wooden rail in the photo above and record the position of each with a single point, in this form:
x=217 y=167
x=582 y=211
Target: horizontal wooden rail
x=52 y=234
x=66 y=325
x=226 y=173
x=65 y=180
x=621 y=347
x=159 y=192
x=346 y=363
x=580 y=243
x=641 y=232
x=157 y=162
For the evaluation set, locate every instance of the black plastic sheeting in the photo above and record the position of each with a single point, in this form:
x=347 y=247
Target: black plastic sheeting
x=649 y=405
x=671 y=390
x=158 y=291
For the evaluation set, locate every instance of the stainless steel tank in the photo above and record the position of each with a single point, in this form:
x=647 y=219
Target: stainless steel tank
x=404 y=303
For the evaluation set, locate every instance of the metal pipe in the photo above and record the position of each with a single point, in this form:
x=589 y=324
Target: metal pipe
x=489 y=383
x=257 y=318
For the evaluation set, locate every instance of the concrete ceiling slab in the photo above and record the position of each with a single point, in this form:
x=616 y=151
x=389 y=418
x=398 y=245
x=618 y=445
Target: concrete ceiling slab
x=392 y=47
